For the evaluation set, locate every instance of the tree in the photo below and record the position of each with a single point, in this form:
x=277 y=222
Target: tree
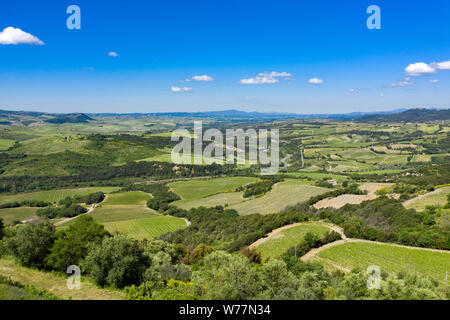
x=227 y=277
x=117 y=261
x=2 y=227
x=71 y=244
x=161 y=268
x=31 y=243
x=278 y=282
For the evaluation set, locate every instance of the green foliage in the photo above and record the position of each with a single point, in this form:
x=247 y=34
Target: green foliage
x=117 y=261
x=92 y=198
x=18 y=291
x=227 y=277
x=2 y=227
x=164 y=290
x=260 y=187
x=25 y=203
x=311 y=241
x=31 y=243
x=225 y=229
x=61 y=212
x=385 y=219
x=349 y=189
x=71 y=244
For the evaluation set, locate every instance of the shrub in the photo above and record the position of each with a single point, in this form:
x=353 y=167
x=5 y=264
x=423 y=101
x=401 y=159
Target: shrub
x=117 y=261
x=31 y=243
x=71 y=244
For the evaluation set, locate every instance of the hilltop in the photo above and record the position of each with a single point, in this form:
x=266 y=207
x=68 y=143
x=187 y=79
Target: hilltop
x=411 y=115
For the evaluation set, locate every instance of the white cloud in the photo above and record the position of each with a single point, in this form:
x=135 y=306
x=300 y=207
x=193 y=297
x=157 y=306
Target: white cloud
x=433 y=81
x=354 y=90
x=404 y=83
x=204 y=77
x=444 y=65
x=381 y=94
x=178 y=89
x=113 y=54
x=419 y=68
x=315 y=81
x=12 y=35
x=266 y=77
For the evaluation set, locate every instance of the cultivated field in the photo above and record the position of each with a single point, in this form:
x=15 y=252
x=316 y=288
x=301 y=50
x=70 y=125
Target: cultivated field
x=146 y=228
x=279 y=242
x=389 y=258
x=196 y=189
x=127 y=198
x=283 y=194
x=126 y=212
x=344 y=199
x=12 y=215
x=220 y=199
x=55 y=195
x=121 y=213
x=437 y=197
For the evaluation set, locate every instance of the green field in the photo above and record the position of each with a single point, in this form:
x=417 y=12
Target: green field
x=389 y=258
x=220 y=199
x=283 y=194
x=126 y=212
x=196 y=189
x=437 y=197
x=5 y=144
x=286 y=193
x=11 y=215
x=127 y=198
x=121 y=213
x=287 y=238
x=54 y=195
x=146 y=228
x=317 y=175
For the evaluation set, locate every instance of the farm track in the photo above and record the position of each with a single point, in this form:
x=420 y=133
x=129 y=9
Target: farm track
x=91 y=208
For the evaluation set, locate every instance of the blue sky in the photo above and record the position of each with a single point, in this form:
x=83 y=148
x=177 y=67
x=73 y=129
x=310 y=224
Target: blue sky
x=237 y=43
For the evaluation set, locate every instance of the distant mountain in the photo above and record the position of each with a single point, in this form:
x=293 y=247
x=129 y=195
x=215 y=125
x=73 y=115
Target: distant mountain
x=244 y=115
x=28 y=117
x=399 y=115
x=70 y=118
x=8 y=113
x=411 y=115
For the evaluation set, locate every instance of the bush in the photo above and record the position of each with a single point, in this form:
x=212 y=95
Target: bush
x=117 y=261
x=71 y=244
x=31 y=243
x=61 y=212
x=2 y=227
